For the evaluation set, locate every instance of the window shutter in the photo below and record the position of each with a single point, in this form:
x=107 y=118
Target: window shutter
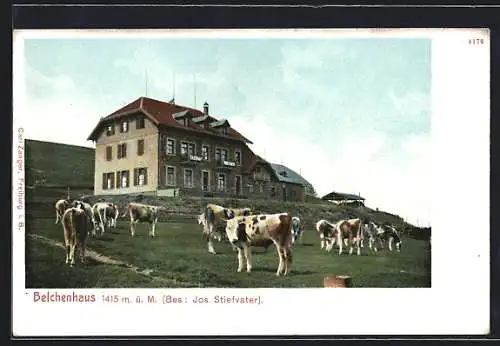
x=118 y=181
x=163 y=175
x=112 y=176
x=127 y=174
x=124 y=149
x=145 y=176
x=104 y=181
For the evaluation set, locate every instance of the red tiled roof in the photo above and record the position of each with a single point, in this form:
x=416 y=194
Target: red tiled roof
x=161 y=114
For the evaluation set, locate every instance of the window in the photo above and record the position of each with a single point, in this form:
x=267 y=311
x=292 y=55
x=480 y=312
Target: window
x=123 y=179
x=108 y=181
x=109 y=153
x=124 y=126
x=110 y=130
x=224 y=131
x=170 y=146
x=250 y=188
x=294 y=194
x=184 y=147
x=217 y=154
x=204 y=152
x=221 y=182
x=237 y=183
x=140 y=176
x=122 y=150
x=170 y=176
x=140 y=147
x=205 y=180
x=188 y=177
x=237 y=157
x=191 y=149
x=140 y=123
x=224 y=154
x=273 y=192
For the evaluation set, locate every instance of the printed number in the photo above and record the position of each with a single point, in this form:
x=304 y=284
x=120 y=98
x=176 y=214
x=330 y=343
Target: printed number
x=476 y=41
x=110 y=299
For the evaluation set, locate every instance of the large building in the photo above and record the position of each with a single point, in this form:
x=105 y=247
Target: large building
x=160 y=148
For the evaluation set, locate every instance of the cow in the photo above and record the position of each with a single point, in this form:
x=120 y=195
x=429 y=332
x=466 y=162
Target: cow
x=381 y=234
x=218 y=233
x=351 y=230
x=112 y=214
x=213 y=220
x=87 y=208
x=242 y=231
x=75 y=226
x=99 y=211
x=327 y=233
x=61 y=206
x=139 y=212
x=297 y=229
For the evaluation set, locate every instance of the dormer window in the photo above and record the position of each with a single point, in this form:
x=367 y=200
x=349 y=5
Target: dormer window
x=124 y=126
x=224 y=131
x=110 y=130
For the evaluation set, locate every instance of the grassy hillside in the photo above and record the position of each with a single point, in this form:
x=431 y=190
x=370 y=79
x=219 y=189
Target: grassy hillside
x=58 y=165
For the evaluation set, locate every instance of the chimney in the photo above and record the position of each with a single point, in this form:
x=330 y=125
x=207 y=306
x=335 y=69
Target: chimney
x=205 y=108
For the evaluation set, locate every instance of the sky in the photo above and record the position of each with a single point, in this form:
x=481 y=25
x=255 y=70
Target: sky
x=350 y=115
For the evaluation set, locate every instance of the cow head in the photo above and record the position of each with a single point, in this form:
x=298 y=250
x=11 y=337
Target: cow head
x=296 y=229
x=232 y=226
x=228 y=213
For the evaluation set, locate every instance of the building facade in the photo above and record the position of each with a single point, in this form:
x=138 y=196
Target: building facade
x=160 y=148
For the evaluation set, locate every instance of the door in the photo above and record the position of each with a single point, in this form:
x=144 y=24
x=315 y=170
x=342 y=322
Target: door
x=204 y=180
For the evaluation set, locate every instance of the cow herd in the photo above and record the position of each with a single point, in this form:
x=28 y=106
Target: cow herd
x=242 y=228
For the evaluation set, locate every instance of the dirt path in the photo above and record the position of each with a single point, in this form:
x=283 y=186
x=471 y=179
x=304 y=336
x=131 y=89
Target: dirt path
x=108 y=260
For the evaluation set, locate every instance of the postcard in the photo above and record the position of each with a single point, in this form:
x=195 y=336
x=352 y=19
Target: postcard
x=191 y=182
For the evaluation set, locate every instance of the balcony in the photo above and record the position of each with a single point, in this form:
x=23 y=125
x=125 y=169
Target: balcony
x=191 y=159
x=225 y=164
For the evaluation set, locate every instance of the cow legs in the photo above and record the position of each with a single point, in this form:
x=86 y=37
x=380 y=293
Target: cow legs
x=391 y=240
x=68 y=250
x=240 y=259
x=323 y=241
x=72 y=254
x=153 y=228
x=288 y=260
x=281 y=256
x=57 y=216
x=211 y=246
x=340 y=241
x=132 y=227
x=247 y=250
x=329 y=244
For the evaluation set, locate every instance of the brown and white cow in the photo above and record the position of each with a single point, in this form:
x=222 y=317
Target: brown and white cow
x=213 y=220
x=101 y=210
x=145 y=213
x=76 y=227
x=243 y=231
x=327 y=234
x=87 y=208
x=112 y=214
x=61 y=206
x=351 y=230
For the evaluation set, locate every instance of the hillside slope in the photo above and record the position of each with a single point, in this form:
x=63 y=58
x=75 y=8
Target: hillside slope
x=58 y=165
